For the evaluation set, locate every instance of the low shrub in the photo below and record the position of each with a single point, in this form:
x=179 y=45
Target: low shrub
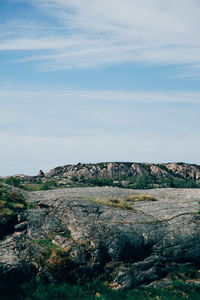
x=48 y=185
x=13 y=181
x=11 y=200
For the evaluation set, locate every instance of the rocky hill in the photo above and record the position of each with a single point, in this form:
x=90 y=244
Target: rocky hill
x=126 y=239
x=128 y=173
x=116 y=174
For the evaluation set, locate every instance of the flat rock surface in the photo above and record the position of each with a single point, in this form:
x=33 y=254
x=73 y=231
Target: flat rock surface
x=170 y=202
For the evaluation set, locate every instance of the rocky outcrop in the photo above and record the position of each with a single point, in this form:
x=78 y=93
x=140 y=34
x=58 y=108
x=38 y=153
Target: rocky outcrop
x=185 y=170
x=68 y=234
x=121 y=170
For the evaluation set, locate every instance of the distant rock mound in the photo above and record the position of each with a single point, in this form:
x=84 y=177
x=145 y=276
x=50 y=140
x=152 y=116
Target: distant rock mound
x=117 y=174
x=128 y=170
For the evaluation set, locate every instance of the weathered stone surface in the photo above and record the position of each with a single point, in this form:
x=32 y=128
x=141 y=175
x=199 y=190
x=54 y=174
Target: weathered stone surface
x=130 y=247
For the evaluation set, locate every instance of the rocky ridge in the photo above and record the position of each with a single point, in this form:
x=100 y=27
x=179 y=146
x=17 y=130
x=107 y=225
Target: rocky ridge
x=125 y=170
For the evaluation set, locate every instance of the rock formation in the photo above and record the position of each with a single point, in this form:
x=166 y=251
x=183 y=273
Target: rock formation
x=128 y=170
x=67 y=233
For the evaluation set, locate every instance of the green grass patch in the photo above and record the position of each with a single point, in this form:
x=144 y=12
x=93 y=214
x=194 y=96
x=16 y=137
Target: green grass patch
x=47 y=248
x=51 y=254
x=39 y=290
x=32 y=187
x=45 y=243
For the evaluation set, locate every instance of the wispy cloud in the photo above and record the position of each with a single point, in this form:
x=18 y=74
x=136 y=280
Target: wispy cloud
x=49 y=94
x=94 y=33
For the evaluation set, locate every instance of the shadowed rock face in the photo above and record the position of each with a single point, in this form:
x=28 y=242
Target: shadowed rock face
x=67 y=234
x=128 y=170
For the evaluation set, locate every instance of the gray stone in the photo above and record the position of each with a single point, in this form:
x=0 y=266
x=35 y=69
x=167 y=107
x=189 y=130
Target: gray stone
x=130 y=247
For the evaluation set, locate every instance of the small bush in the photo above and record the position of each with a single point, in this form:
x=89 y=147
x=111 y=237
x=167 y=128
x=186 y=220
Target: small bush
x=13 y=181
x=74 y=179
x=11 y=200
x=48 y=185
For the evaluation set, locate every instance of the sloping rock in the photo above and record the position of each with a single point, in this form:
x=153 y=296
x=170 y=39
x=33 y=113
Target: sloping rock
x=69 y=234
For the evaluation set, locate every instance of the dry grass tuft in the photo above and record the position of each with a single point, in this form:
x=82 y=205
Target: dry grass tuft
x=118 y=203
x=59 y=258
x=140 y=197
x=123 y=203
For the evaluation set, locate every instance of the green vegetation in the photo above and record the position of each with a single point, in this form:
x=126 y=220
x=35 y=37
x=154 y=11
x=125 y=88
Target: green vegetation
x=38 y=185
x=11 y=200
x=174 y=182
x=48 y=185
x=13 y=181
x=47 y=243
x=94 y=181
x=47 y=248
x=74 y=179
x=39 y=290
x=66 y=234
x=145 y=181
x=183 y=272
x=140 y=182
x=51 y=254
x=31 y=187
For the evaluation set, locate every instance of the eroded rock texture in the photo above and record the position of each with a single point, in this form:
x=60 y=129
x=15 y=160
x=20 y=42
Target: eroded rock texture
x=69 y=235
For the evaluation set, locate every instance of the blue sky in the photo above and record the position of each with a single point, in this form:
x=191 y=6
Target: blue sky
x=90 y=81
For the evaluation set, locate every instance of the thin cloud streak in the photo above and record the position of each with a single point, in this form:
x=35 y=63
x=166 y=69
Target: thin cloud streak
x=95 y=33
x=172 y=97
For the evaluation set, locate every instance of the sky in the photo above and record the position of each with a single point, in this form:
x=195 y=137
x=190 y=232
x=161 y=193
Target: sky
x=98 y=80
